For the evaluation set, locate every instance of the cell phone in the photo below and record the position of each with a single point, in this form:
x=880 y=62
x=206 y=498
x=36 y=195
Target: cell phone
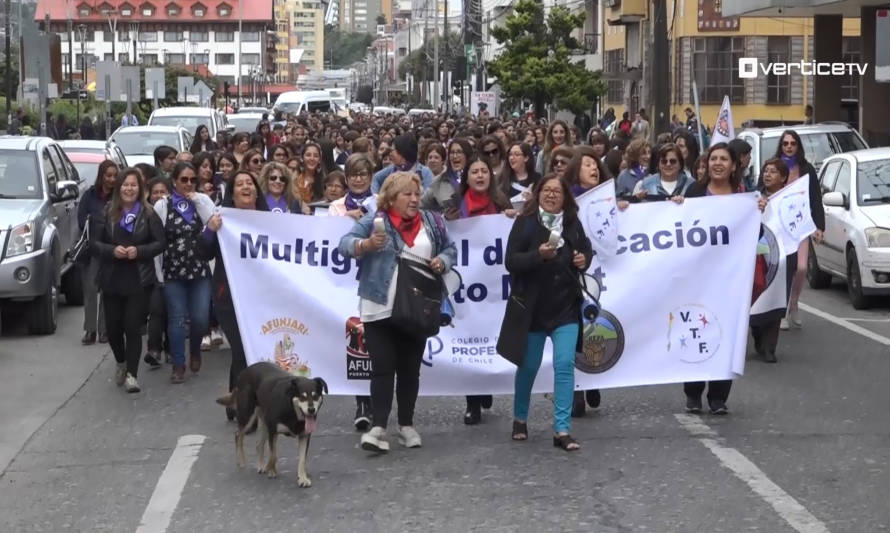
x=450 y=203
x=554 y=238
x=379 y=226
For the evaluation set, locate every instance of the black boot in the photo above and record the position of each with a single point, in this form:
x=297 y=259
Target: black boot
x=593 y=398
x=473 y=415
x=578 y=406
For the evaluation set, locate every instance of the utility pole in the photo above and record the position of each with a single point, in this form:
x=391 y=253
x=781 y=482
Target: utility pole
x=424 y=88
x=70 y=48
x=436 y=95
x=238 y=57
x=660 y=60
x=8 y=68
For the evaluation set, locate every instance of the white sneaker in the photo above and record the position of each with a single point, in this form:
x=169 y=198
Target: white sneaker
x=794 y=319
x=216 y=337
x=130 y=384
x=409 y=437
x=120 y=375
x=783 y=325
x=205 y=343
x=375 y=440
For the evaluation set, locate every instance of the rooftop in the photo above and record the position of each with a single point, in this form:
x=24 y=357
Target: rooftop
x=156 y=10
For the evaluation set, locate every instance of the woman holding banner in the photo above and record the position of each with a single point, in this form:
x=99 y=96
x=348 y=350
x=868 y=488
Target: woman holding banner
x=244 y=194
x=721 y=178
x=546 y=252
x=480 y=194
x=399 y=230
x=791 y=152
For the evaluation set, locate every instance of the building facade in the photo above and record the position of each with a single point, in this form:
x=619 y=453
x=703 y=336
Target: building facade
x=299 y=26
x=162 y=32
x=705 y=47
x=361 y=15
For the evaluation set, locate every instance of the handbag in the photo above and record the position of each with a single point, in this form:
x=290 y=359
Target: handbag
x=80 y=251
x=513 y=337
x=417 y=307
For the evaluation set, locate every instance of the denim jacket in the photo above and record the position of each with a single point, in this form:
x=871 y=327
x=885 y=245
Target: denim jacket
x=377 y=268
x=426 y=176
x=652 y=185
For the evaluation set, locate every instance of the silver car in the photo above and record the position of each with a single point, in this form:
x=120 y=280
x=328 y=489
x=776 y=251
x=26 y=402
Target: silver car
x=139 y=142
x=856 y=244
x=39 y=192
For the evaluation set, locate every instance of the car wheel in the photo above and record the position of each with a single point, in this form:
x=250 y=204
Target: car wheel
x=815 y=277
x=854 y=282
x=72 y=285
x=44 y=310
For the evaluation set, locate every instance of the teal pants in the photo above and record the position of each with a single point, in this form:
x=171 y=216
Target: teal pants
x=564 y=339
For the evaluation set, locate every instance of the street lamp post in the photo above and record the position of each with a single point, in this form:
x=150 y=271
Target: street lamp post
x=82 y=30
x=112 y=24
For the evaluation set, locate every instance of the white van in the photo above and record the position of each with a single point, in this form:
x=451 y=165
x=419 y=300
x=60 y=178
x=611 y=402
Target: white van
x=298 y=101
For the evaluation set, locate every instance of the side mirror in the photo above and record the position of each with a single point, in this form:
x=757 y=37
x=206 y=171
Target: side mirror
x=65 y=190
x=834 y=199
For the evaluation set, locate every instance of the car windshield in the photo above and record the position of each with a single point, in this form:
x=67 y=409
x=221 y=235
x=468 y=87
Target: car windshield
x=817 y=146
x=288 y=107
x=246 y=124
x=19 y=177
x=84 y=150
x=145 y=142
x=849 y=141
x=87 y=172
x=873 y=182
x=190 y=123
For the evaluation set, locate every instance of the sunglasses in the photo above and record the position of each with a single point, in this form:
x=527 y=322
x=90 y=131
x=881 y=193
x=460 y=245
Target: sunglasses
x=789 y=143
x=276 y=177
x=669 y=161
x=256 y=161
x=490 y=153
x=560 y=163
x=188 y=180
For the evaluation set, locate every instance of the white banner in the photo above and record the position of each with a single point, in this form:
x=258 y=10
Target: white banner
x=676 y=297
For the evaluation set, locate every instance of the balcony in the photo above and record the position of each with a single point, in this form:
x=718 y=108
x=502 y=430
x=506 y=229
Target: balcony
x=626 y=11
x=590 y=43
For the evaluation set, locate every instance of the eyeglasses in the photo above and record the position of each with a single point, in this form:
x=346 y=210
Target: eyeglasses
x=490 y=153
x=789 y=143
x=276 y=177
x=457 y=152
x=560 y=163
x=188 y=180
x=360 y=175
x=666 y=161
x=256 y=161
x=551 y=192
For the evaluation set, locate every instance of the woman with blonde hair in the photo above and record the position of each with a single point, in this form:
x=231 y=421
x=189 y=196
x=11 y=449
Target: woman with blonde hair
x=408 y=234
x=274 y=181
x=637 y=157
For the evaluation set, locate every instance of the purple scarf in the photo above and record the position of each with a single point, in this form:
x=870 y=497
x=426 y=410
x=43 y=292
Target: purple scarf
x=789 y=160
x=578 y=190
x=638 y=171
x=184 y=207
x=128 y=218
x=277 y=206
x=354 y=201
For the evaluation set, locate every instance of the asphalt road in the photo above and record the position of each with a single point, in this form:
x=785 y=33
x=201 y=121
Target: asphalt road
x=805 y=448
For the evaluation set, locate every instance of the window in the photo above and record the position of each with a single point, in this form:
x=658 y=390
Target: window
x=85 y=11
x=715 y=65
x=613 y=64
x=199 y=36
x=225 y=36
x=250 y=36
x=851 y=54
x=176 y=59
x=123 y=57
x=778 y=88
x=843 y=180
x=829 y=176
x=147 y=10
x=250 y=59
x=199 y=12
x=201 y=59
x=148 y=36
x=88 y=35
x=173 y=11
x=225 y=59
x=173 y=36
x=149 y=59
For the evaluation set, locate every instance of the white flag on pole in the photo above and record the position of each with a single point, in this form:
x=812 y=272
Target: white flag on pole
x=790 y=208
x=723 y=130
x=599 y=207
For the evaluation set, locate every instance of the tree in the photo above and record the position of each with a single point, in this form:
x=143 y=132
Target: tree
x=536 y=62
x=419 y=63
x=343 y=49
x=381 y=19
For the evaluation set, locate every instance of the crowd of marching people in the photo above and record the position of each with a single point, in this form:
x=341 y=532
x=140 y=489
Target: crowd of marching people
x=156 y=267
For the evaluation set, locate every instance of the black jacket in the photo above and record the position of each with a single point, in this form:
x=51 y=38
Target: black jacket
x=90 y=204
x=147 y=237
x=542 y=291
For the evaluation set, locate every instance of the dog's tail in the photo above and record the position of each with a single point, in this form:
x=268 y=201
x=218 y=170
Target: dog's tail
x=228 y=399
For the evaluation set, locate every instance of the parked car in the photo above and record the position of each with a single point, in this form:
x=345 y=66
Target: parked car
x=107 y=148
x=87 y=165
x=856 y=243
x=819 y=141
x=39 y=192
x=295 y=102
x=190 y=118
x=246 y=122
x=259 y=110
x=139 y=142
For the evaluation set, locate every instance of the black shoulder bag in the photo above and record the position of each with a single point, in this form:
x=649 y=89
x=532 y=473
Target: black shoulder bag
x=417 y=306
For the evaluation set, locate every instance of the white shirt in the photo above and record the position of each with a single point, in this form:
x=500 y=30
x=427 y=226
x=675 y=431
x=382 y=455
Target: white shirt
x=371 y=311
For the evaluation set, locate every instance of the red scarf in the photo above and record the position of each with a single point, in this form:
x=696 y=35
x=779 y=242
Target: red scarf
x=476 y=203
x=408 y=228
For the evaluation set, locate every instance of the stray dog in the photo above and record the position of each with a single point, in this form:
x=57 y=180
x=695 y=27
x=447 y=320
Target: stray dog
x=278 y=402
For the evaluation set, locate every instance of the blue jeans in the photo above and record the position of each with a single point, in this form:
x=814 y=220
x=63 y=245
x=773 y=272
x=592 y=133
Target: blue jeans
x=564 y=338
x=188 y=314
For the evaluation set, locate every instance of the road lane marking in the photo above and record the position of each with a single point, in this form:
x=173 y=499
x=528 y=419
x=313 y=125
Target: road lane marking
x=856 y=319
x=845 y=324
x=786 y=506
x=168 y=491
